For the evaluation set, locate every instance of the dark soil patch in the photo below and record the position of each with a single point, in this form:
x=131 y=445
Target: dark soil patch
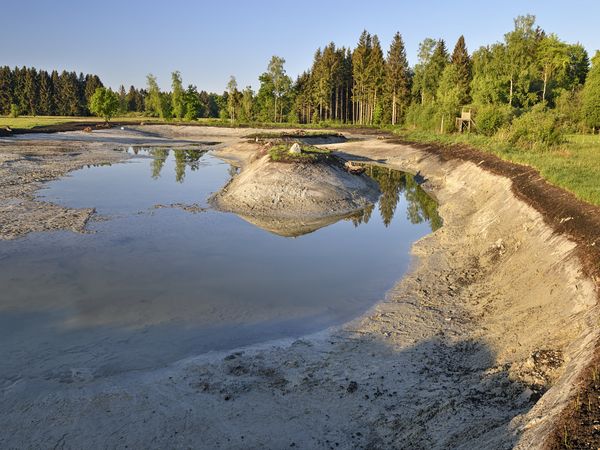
x=579 y=427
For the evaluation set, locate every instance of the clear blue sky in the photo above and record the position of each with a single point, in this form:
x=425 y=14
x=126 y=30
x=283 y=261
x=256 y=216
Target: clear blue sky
x=122 y=41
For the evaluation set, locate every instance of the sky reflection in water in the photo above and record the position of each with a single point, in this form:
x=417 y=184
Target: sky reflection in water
x=150 y=285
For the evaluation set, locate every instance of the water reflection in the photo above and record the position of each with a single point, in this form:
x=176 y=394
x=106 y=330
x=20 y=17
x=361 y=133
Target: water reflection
x=393 y=185
x=184 y=158
x=148 y=288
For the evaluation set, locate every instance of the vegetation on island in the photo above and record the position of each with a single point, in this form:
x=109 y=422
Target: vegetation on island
x=308 y=154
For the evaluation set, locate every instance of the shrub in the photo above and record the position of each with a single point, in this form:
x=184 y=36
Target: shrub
x=490 y=118
x=537 y=129
x=569 y=109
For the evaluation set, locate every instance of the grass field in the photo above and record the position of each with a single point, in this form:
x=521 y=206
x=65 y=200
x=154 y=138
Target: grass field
x=39 y=121
x=574 y=166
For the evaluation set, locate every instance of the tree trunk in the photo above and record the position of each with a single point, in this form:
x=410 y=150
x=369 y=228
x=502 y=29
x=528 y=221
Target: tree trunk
x=394 y=108
x=510 y=95
x=336 y=103
x=545 y=84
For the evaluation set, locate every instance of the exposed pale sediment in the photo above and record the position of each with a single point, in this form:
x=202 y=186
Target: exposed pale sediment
x=291 y=199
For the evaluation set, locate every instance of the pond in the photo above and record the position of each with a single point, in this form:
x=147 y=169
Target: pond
x=160 y=276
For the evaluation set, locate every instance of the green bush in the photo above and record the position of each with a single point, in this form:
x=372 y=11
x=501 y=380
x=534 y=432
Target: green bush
x=490 y=118
x=538 y=128
x=569 y=110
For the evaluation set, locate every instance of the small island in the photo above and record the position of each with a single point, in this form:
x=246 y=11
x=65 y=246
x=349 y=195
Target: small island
x=290 y=188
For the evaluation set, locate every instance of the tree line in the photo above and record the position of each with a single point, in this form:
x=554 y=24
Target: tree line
x=29 y=91
x=529 y=71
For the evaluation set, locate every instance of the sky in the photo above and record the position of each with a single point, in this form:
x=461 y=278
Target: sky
x=122 y=41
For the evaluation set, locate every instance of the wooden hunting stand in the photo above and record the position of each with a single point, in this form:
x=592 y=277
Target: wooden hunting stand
x=465 y=120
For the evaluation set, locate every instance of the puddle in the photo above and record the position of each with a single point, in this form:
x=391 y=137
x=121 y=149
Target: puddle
x=161 y=276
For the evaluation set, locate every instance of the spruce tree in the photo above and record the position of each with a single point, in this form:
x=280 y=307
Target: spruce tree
x=6 y=89
x=397 y=79
x=92 y=82
x=46 y=94
x=56 y=91
x=360 y=61
x=82 y=102
x=131 y=99
x=435 y=68
x=462 y=62
x=19 y=95
x=375 y=77
x=31 y=91
x=122 y=100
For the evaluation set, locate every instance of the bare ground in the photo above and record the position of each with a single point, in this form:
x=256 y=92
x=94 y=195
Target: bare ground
x=477 y=347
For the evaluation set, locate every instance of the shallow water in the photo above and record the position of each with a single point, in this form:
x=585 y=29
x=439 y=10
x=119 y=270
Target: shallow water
x=152 y=283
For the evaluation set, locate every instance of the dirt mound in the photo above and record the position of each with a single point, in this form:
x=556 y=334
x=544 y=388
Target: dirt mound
x=295 y=198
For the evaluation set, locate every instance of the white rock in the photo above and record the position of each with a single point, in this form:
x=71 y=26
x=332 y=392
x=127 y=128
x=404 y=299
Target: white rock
x=295 y=149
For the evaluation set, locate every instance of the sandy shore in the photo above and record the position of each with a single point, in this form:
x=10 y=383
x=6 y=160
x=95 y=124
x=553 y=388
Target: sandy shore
x=477 y=347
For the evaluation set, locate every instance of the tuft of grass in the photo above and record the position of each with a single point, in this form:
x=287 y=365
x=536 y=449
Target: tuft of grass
x=309 y=154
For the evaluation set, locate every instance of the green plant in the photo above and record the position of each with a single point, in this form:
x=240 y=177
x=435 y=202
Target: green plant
x=422 y=117
x=538 y=129
x=309 y=154
x=490 y=118
x=104 y=103
x=14 y=111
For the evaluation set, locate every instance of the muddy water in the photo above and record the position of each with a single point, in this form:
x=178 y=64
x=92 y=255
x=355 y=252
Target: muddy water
x=160 y=276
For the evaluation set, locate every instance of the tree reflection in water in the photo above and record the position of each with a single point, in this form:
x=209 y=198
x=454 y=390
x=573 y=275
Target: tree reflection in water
x=392 y=183
x=183 y=159
x=421 y=207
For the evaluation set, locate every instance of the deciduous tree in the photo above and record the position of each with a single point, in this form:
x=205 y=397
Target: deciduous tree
x=104 y=103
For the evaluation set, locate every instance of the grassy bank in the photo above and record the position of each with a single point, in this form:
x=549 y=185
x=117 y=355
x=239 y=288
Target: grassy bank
x=574 y=165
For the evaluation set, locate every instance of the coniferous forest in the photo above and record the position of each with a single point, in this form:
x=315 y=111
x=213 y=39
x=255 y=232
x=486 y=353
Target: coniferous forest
x=531 y=76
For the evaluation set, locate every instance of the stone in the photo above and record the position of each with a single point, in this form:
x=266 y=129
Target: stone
x=295 y=149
